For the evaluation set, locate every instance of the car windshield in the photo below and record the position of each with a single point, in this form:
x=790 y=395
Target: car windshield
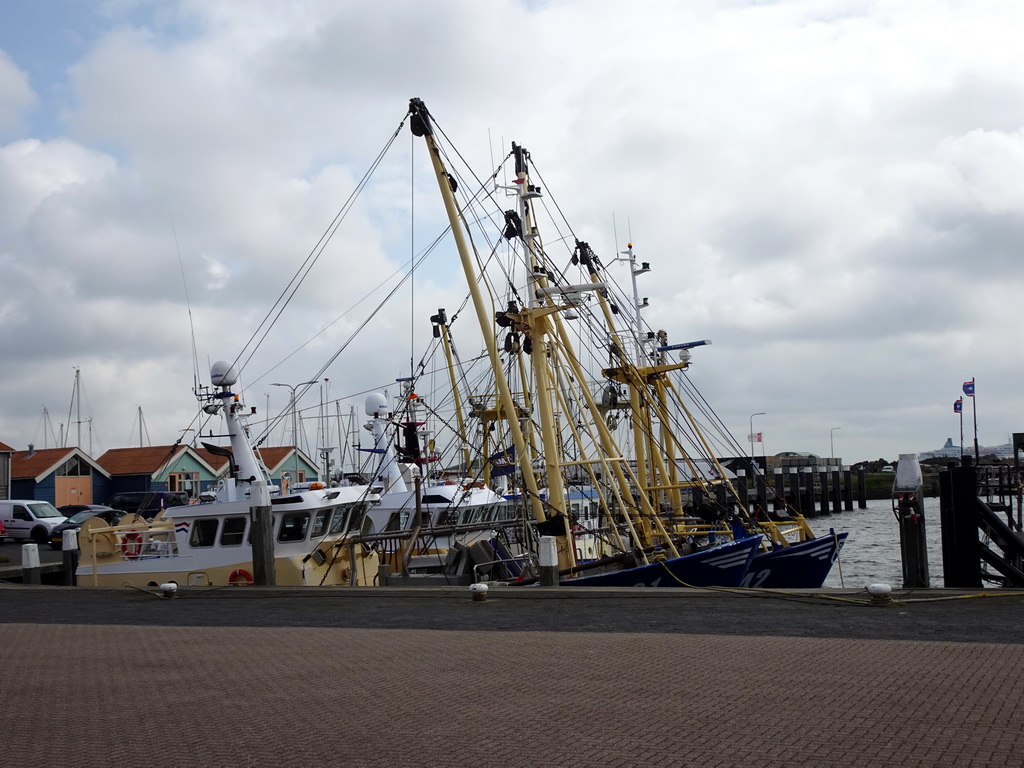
x=80 y=517
x=45 y=509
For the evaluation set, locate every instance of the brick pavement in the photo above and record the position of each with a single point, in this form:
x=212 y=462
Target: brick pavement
x=127 y=695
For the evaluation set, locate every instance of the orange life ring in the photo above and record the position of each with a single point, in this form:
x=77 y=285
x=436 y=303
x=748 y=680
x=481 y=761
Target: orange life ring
x=240 y=578
x=131 y=545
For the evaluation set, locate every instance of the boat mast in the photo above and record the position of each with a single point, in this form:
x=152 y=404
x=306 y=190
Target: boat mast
x=440 y=323
x=421 y=126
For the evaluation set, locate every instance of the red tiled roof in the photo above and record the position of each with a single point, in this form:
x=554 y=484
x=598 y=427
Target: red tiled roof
x=138 y=461
x=6 y=448
x=274 y=455
x=214 y=460
x=26 y=464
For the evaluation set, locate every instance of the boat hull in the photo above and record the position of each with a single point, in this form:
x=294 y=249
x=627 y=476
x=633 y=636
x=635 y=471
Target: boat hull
x=804 y=565
x=723 y=566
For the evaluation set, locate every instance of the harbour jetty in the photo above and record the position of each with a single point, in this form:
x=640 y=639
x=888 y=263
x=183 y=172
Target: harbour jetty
x=223 y=677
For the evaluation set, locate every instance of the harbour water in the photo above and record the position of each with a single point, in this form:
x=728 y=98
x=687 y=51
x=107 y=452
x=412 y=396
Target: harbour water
x=872 y=551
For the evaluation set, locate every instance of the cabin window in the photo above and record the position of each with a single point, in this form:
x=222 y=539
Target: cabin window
x=338 y=526
x=233 y=532
x=204 y=532
x=448 y=517
x=321 y=522
x=397 y=521
x=358 y=516
x=294 y=526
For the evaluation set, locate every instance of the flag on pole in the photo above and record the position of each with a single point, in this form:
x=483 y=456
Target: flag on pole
x=503 y=462
x=969 y=388
x=958 y=405
x=755 y=437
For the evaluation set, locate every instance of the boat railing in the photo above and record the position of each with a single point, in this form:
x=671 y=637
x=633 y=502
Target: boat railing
x=133 y=541
x=524 y=558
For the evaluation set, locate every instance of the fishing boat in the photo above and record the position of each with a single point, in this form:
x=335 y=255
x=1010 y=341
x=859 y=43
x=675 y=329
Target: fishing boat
x=419 y=521
x=651 y=533
x=315 y=531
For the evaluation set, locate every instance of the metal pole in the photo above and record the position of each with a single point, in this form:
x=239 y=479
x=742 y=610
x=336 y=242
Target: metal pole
x=831 y=442
x=295 y=424
x=264 y=573
x=750 y=434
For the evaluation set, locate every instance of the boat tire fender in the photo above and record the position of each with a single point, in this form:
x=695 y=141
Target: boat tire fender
x=241 y=578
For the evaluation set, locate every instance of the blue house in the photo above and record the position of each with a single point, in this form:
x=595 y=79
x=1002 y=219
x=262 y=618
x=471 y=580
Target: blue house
x=58 y=475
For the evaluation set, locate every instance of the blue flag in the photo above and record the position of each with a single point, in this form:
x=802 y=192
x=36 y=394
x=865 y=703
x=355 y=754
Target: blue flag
x=969 y=388
x=958 y=405
x=503 y=462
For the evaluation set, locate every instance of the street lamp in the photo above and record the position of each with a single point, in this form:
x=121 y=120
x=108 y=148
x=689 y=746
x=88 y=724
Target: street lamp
x=831 y=442
x=750 y=434
x=295 y=425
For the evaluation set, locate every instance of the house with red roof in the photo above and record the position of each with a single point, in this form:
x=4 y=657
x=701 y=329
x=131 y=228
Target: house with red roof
x=58 y=475
x=192 y=470
x=5 y=470
x=286 y=460
x=162 y=468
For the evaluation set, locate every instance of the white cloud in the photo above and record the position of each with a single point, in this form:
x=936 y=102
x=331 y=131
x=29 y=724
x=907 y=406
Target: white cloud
x=826 y=190
x=16 y=96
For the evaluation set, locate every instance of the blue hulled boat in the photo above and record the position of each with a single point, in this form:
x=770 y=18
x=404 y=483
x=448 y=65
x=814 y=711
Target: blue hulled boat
x=803 y=565
x=725 y=565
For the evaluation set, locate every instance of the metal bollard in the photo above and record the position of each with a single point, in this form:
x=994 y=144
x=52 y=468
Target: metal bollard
x=30 y=573
x=548 y=555
x=479 y=592
x=69 y=547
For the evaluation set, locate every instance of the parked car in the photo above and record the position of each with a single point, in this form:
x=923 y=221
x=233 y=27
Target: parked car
x=3 y=533
x=74 y=522
x=147 y=503
x=30 y=519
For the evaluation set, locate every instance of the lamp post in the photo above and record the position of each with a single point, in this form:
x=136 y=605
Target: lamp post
x=295 y=424
x=750 y=434
x=831 y=442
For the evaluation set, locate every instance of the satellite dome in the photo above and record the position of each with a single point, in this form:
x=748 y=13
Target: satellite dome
x=223 y=374
x=376 y=403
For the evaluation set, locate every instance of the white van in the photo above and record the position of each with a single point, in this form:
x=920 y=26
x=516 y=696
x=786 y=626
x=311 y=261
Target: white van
x=28 y=519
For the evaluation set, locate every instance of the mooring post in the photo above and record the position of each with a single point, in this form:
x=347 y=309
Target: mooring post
x=761 y=485
x=780 y=488
x=264 y=574
x=862 y=489
x=823 y=501
x=848 y=488
x=69 y=551
x=906 y=490
x=548 y=561
x=30 y=572
x=961 y=548
x=794 y=490
x=805 y=483
x=836 y=498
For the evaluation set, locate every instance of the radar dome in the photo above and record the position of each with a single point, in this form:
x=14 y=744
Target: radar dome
x=223 y=374
x=375 y=403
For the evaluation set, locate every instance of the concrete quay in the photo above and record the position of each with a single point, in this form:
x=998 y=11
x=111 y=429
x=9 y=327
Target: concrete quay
x=531 y=676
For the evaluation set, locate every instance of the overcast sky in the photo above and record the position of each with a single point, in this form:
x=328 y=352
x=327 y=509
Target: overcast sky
x=830 y=191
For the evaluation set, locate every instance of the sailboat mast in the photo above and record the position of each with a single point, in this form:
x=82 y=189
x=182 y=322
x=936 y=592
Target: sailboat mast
x=421 y=126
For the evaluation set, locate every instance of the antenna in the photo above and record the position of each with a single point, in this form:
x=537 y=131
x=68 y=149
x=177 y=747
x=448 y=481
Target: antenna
x=188 y=305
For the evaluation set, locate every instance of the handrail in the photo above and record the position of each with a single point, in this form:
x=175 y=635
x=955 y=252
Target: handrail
x=476 y=573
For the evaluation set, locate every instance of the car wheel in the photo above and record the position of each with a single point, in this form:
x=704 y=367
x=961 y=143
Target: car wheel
x=40 y=536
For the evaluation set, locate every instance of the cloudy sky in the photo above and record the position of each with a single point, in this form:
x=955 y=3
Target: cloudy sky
x=830 y=191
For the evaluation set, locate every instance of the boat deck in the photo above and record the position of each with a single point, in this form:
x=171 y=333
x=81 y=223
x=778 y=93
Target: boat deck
x=248 y=676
